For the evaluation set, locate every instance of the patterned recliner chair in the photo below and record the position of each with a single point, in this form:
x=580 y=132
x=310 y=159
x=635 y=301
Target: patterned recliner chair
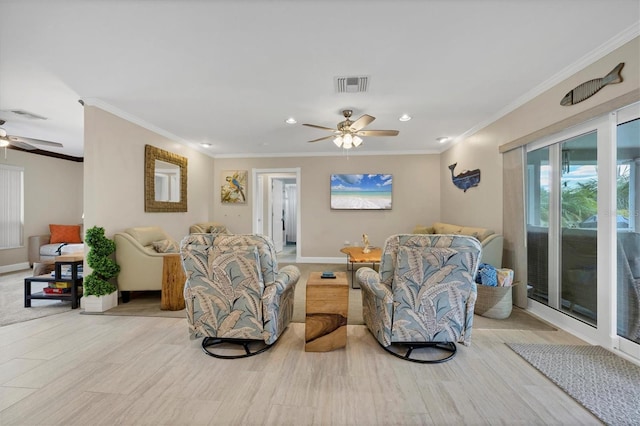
x=234 y=293
x=423 y=296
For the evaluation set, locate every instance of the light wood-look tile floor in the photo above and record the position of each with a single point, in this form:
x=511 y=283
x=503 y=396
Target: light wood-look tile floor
x=73 y=369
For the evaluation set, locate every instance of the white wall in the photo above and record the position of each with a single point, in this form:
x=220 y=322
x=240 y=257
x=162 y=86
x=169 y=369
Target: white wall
x=52 y=194
x=114 y=177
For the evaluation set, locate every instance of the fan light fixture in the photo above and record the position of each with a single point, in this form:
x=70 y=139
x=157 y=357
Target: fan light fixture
x=347 y=134
x=347 y=141
x=3 y=142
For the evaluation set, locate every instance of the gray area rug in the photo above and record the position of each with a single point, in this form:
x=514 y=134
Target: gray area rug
x=518 y=320
x=148 y=304
x=604 y=383
x=142 y=304
x=12 y=308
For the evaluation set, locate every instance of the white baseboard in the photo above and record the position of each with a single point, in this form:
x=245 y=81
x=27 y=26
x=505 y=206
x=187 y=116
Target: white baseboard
x=321 y=260
x=14 y=267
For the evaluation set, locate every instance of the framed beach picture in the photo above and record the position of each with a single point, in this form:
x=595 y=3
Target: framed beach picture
x=234 y=187
x=361 y=192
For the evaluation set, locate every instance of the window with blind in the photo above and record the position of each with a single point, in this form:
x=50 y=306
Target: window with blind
x=12 y=206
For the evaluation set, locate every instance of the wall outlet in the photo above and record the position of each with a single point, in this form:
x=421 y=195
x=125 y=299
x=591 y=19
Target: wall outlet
x=346 y=242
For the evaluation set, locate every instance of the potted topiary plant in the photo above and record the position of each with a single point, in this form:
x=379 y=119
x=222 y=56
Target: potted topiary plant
x=100 y=294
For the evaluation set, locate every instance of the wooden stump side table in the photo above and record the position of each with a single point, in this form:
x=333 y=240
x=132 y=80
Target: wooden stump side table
x=327 y=306
x=173 y=278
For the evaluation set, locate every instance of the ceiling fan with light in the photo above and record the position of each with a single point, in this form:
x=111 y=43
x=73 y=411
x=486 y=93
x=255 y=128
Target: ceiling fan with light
x=22 y=142
x=347 y=134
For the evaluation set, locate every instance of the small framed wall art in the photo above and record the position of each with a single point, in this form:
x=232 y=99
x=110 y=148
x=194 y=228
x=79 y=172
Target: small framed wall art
x=234 y=187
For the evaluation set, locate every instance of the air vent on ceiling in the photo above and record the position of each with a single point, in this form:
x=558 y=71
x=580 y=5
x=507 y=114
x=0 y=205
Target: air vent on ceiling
x=27 y=114
x=354 y=84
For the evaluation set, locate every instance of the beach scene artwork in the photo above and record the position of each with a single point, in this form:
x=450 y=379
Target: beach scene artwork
x=361 y=192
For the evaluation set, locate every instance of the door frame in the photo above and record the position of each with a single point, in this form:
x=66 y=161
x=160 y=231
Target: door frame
x=272 y=198
x=255 y=215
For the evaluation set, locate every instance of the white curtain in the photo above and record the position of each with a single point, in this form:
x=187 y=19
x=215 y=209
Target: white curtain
x=11 y=206
x=291 y=201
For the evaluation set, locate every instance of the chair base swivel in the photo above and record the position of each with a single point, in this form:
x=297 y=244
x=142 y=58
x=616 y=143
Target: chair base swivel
x=210 y=342
x=443 y=347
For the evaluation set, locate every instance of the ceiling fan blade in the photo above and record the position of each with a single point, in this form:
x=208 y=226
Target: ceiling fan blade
x=22 y=145
x=31 y=140
x=321 y=139
x=361 y=122
x=378 y=133
x=320 y=127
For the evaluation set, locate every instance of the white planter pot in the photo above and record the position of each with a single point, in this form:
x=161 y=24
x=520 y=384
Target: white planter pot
x=99 y=303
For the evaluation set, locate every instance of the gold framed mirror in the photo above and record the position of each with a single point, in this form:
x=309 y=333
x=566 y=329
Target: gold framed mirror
x=165 y=181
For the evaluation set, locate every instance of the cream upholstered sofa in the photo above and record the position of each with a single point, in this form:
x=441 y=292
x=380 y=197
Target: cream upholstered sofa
x=491 y=242
x=140 y=252
x=45 y=247
x=208 y=228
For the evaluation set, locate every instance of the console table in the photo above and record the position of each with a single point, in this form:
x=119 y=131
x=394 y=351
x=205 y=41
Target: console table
x=75 y=280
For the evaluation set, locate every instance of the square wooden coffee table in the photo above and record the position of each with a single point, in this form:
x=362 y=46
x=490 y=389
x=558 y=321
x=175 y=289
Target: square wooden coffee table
x=356 y=255
x=327 y=308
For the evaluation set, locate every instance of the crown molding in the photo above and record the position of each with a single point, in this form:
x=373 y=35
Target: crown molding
x=135 y=120
x=324 y=154
x=601 y=51
x=99 y=103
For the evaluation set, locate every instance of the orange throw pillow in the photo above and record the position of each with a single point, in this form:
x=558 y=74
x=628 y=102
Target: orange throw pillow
x=65 y=234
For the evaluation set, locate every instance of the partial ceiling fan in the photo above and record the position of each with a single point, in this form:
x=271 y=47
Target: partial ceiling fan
x=22 y=142
x=347 y=135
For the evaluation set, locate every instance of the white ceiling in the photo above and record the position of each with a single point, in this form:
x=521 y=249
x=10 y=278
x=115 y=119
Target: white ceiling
x=230 y=72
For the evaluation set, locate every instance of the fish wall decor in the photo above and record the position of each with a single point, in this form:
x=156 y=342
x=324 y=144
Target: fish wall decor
x=591 y=87
x=466 y=179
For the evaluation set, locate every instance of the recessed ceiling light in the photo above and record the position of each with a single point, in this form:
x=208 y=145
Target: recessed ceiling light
x=442 y=139
x=405 y=117
x=290 y=120
x=206 y=145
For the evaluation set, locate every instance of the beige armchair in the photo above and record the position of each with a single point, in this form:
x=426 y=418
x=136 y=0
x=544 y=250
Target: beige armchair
x=141 y=254
x=206 y=228
x=492 y=243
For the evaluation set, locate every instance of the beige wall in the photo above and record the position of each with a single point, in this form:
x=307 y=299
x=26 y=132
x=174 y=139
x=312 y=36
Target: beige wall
x=114 y=177
x=416 y=194
x=52 y=194
x=422 y=193
x=483 y=205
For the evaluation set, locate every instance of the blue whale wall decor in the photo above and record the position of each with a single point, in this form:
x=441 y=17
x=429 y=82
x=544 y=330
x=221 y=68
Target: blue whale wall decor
x=466 y=179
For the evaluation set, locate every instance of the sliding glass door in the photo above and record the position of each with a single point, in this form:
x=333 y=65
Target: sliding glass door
x=628 y=227
x=578 y=227
x=583 y=229
x=561 y=225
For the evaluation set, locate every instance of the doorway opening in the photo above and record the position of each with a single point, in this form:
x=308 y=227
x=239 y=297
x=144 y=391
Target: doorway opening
x=276 y=210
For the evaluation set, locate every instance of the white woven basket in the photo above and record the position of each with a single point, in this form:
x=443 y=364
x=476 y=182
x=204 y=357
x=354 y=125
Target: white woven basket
x=494 y=302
